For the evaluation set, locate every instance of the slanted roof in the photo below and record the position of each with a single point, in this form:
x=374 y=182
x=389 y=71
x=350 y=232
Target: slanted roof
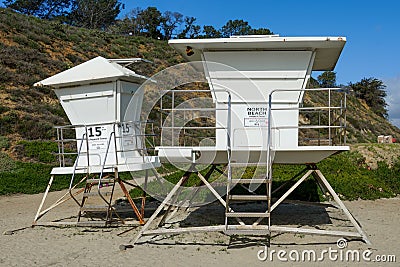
x=327 y=49
x=95 y=70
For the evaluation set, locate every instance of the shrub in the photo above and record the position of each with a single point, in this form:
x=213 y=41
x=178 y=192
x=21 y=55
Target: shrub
x=30 y=178
x=6 y=163
x=41 y=151
x=4 y=142
x=4 y=109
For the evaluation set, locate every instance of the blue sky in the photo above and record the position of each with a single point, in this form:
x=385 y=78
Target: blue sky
x=372 y=29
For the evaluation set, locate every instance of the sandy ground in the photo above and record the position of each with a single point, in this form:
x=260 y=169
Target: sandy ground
x=77 y=246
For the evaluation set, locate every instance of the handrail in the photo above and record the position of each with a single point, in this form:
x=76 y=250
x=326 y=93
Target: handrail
x=341 y=118
x=104 y=164
x=269 y=119
x=74 y=171
x=170 y=95
x=62 y=142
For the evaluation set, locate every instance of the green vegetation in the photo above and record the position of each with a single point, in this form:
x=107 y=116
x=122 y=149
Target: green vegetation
x=29 y=178
x=150 y=22
x=348 y=174
x=41 y=151
x=372 y=91
x=352 y=178
x=33 y=49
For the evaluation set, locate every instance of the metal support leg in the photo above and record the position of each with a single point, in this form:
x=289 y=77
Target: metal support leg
x=159 y=209
x=282 y=198
x=130 y=200
x=342 y=206
x=206 y=177
x=170 y=206
x=313 y=170
x=146 y=179
x=324 y=190
x=60 y=201
x=43 y=200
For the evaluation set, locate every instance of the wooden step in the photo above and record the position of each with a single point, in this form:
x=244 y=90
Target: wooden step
x=247 y=164
x=247 y=230
x=248 y=197
x=248 y=181
x=96 y=193
x=95 y=208
x=103 y=181
x=247 y=214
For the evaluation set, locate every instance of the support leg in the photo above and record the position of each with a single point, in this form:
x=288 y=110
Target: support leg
x=170 y=206
x=206 y=177
x=43 y=200
x=342 y=206
x=60 y=201
x=282 y=198
x=146 y=179
x=133 y=205
x=324 y=190
x=151 y=219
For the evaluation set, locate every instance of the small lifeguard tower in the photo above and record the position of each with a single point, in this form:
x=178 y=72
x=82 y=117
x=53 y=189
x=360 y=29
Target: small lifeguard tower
x=105 y=137
x=258 y=85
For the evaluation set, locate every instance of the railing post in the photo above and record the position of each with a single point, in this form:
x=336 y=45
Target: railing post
x=329 y=117
x=173 y=117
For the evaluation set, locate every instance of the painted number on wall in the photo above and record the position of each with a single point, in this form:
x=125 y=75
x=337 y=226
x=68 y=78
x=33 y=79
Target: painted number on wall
x=94 y=131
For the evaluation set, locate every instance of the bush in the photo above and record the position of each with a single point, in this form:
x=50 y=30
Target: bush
x=3 y=109
x=5 y=74
x=6 y=163
x=30 y=178
x=41 y=151
x=4 y=142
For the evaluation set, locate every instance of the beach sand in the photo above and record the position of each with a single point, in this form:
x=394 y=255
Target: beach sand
x=83 y=246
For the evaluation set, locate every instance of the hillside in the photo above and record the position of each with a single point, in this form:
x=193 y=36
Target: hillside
x=32 y=49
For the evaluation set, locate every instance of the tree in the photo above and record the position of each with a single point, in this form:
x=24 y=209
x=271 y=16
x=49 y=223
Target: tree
x=236 y=27
x=94 y=14
x=327 y=79
x=131 y=25
x=169 y=22
x=261 y=31
x=313 y=83
x=210 y=32
x=373 y=92
x=150 y=20
x=191 y=30
x=45 y=9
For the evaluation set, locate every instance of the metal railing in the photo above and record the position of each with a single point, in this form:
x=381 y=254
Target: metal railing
x=330 y=118
x=71 y=148
x=120 y=132
x=180 y=120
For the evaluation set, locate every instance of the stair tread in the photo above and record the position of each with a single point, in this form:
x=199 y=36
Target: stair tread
x=96 y=193
x=247 y=230
x=248 y=181
x=248 y=197
x=103 y=180
x=95 y=208
x=247 y=214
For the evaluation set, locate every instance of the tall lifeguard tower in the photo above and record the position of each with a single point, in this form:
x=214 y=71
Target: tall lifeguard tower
x=105 y=136
x=258 y=85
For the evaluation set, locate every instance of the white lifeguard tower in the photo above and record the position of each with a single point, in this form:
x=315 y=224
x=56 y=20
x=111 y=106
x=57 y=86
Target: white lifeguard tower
x=105 y=137
x=258 y=84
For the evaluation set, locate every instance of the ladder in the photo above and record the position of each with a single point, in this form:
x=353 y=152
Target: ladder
x=100 y=187
x=247 y=217
x=98 y=190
